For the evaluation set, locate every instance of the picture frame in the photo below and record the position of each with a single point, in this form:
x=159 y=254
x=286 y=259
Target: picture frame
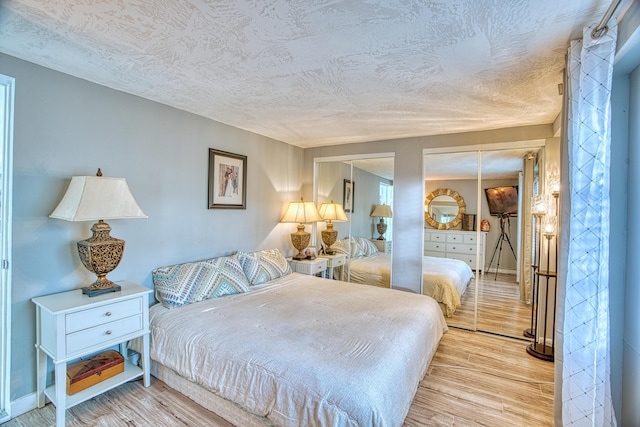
x=348 y=195
x=310 y=252
x=227 y=180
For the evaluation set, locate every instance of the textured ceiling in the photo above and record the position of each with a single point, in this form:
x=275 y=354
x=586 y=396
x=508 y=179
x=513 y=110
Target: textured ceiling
x=320 y=72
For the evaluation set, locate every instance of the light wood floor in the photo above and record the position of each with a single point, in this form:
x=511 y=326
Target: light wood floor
x=499 y=307
x=474 y=380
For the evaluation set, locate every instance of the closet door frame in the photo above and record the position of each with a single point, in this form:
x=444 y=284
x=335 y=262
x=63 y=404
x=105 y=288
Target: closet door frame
x=479 y=149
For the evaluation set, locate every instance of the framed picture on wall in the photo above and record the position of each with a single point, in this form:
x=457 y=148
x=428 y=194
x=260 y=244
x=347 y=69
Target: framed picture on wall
x=227 y=180
x=347 y=195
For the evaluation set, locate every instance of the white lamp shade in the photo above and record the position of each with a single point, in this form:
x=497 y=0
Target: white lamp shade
x=301 y=212
x=382 y=211
x=332 y=212
x=92 y=198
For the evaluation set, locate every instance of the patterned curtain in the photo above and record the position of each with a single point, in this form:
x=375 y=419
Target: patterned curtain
x=526 y=258
x=586 y=389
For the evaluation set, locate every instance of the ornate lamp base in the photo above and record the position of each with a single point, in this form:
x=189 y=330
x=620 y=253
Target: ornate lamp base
x=382 y=228
x=329 y=237
x=300 y=240
x=101 y=254
x=94 y=292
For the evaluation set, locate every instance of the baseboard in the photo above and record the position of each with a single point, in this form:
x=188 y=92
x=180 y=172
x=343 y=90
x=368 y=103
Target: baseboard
x=500 y=270
x=24 y=404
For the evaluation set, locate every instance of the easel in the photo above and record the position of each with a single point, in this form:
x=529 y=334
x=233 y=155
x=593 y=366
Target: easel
x=503 y=218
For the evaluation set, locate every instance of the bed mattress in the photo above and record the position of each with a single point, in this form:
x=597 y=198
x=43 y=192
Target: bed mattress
x=305 y=351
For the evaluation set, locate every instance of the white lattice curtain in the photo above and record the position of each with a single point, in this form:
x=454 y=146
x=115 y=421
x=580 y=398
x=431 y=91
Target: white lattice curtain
x=586 y=389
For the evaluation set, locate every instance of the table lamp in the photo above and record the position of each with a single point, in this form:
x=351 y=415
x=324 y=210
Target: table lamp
x=383 y=211
x=331 y=212
x=303 y=213
x=96 y=198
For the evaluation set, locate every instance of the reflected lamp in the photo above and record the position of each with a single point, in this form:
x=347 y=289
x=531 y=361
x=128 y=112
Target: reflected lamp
x=382 y=211
x=303 y=213
x=96 y=198
x=331 y=212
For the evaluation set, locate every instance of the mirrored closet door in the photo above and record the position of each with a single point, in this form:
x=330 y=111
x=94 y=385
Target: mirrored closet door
x=489 y=237
x=364 y=188
x=453 y=249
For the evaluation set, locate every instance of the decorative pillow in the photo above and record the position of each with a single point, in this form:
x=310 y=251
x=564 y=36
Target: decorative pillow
x=356 y=249
x=342 y=247
x=368 y=248
x=190 y=282
x=352 y=250
x=229 y=278
x=263 y=266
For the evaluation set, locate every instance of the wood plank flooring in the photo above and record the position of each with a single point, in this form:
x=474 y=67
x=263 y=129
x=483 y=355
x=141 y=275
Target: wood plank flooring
x=499 y=308
x=474 y=380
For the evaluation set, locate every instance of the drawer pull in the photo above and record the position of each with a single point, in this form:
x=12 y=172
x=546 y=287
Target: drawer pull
x=108 y=313
x=109 y=332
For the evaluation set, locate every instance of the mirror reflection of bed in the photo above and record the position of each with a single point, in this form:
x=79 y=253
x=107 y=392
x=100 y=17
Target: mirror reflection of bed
x=495 y=300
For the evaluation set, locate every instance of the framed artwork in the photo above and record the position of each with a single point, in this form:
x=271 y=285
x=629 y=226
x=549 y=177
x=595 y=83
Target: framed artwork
x=347 y=195
x=227 y=180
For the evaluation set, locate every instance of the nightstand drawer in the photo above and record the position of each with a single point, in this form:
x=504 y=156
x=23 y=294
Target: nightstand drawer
x=337 y=262
x=105 y=313
x=87 y=338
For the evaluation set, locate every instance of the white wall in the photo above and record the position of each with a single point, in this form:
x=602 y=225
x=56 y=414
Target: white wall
x=629 y=298
x=65 y=126
x=624 y=285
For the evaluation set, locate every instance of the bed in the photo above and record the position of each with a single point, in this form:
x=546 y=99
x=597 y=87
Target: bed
x=299 y=350
x=443 y=279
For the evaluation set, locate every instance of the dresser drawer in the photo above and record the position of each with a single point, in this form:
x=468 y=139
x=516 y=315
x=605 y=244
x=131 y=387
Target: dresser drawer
x=470 y=259
x=470 y=239
x=435 y=246
x=87 y=338
x=461 y=248
x=436 y=237
x=105 y=313
x=455 y=238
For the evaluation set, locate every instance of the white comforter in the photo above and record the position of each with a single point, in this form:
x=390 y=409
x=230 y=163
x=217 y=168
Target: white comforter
x=304 y=350
x=443 y=279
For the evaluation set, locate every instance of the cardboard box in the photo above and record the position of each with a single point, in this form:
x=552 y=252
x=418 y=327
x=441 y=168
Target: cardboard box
x=85 y=373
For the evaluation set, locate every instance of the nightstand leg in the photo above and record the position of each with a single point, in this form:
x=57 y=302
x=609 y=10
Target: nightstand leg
x=61 y=392
x=41 y=362
x=146 y=360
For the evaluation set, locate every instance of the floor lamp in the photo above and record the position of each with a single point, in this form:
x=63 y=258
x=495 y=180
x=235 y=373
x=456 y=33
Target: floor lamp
x=538 y=210
x=542 y=347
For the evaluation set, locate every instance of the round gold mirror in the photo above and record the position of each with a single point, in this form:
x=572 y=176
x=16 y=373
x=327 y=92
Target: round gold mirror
x=443 y=209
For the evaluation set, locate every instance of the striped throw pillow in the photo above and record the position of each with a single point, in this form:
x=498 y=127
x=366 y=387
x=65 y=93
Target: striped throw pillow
x=190 y=282
x=263 y=266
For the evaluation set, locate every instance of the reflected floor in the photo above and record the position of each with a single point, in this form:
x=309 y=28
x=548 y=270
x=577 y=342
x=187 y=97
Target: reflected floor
x=499 y=306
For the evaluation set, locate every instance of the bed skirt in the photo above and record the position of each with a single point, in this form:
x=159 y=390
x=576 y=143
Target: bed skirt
x=207 y=399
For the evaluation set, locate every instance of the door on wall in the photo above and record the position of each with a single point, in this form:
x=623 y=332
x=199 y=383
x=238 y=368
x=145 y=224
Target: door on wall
x=6 y=154
x=489 y=184
x=359 y=183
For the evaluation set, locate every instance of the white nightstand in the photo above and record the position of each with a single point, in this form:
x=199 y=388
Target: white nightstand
x=70 y=325
x=382 y=245
x=334 y=261
x=312 y=267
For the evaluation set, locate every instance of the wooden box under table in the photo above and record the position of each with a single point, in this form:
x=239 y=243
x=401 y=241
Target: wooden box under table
x=85 y=373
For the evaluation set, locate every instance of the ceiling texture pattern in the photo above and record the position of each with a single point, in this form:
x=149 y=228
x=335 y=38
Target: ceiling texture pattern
x=320 y=72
